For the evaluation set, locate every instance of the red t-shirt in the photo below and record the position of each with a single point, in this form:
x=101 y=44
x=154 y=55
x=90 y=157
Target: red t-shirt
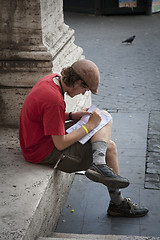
x=42 y=115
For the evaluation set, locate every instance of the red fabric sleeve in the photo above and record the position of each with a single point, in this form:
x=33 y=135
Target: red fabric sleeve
x=53 y=120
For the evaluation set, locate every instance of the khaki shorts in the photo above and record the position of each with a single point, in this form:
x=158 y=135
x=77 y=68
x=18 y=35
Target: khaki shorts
x=77 y=157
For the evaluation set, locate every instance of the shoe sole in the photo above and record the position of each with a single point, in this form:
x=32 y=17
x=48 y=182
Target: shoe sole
x=115 y=214
x=107 y=181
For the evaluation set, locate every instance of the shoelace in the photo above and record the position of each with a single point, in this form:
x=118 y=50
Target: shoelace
x=131 y=205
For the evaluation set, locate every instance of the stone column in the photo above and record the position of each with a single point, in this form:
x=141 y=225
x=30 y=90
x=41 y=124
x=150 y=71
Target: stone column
x=59 y=39
x=23 y=57
x=33 y=37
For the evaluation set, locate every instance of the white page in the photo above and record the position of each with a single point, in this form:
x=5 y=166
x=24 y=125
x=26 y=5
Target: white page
x=84 y=120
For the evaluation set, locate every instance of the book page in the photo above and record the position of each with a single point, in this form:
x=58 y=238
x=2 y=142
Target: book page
x=84 y=120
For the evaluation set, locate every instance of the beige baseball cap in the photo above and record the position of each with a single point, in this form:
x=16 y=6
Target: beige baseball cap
x=89 y=73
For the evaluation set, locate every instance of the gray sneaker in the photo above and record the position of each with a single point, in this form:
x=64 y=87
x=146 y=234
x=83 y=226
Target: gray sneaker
x=126 y=209
x=105 y=175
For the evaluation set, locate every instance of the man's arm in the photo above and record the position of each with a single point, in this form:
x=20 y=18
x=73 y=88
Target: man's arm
x=77 y=115
x=64 y=141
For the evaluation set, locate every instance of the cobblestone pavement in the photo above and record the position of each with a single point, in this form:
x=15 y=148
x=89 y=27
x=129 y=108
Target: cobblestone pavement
x=130 y=74
x=152 y=177
x=130 y=90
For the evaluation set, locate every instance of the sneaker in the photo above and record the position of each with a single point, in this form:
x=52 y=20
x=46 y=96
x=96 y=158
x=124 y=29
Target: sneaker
x=105 y=175
x=126 y=209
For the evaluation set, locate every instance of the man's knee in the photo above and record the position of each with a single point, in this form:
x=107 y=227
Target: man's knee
x=107 y=113
x=104 y=133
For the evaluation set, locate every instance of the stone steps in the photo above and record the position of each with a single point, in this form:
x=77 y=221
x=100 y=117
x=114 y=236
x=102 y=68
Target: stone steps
x=66 y=236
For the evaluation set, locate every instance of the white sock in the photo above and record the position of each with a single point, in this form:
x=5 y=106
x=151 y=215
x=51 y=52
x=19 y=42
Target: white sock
x=99 y=149
x=116 y=196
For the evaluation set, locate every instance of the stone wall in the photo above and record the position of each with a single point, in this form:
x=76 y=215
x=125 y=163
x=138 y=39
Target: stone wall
x=34 y=41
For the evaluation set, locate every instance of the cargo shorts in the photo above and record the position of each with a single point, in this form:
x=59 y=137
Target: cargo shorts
x=77 y=157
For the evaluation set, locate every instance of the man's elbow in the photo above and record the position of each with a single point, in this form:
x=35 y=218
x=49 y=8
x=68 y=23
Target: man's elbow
x=59 y=145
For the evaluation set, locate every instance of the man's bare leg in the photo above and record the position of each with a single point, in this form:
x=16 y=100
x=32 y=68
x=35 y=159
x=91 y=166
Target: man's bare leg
x=112 y=157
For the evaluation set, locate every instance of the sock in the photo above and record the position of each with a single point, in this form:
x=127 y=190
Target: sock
x=99 y=152
x=116 y=196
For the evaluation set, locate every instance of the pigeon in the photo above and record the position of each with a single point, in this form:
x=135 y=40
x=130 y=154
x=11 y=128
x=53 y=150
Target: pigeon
x=129 y=40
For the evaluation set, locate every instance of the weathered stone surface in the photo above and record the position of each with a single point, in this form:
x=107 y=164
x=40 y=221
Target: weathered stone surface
x=57 y=36
x=152 y=185
x=21 y=25
x=152 y=176
x=66 y=236
x=35 y=42
x=154 y=144
x=32 y=196
x=153 y=168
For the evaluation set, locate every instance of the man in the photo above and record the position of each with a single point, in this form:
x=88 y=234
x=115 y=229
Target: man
x=43 y=139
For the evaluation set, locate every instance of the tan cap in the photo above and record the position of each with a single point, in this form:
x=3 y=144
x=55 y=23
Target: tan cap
x=89 y=73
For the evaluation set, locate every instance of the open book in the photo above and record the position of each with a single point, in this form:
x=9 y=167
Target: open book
x=84 y=120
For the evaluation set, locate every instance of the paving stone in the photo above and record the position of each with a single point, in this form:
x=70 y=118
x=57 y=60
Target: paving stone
x=153 y=168
x=153 y=154
x=154 y=144
x=152 y=185
x=152 y=178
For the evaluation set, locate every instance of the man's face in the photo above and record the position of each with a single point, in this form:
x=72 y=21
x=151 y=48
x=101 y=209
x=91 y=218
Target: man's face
x=77 y=89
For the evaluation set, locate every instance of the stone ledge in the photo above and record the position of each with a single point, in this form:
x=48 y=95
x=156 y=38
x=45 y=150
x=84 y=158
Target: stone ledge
x=66 y=236
x=32 y=196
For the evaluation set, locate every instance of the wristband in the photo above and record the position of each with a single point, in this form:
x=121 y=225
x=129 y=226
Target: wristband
x=86 y=130
x=70 y=116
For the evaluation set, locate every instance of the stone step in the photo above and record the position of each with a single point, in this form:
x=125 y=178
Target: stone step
x=66 y=236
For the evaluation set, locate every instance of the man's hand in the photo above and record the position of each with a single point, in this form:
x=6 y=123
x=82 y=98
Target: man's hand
x=64 y=141
x=95 y=119
x=79 y=114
